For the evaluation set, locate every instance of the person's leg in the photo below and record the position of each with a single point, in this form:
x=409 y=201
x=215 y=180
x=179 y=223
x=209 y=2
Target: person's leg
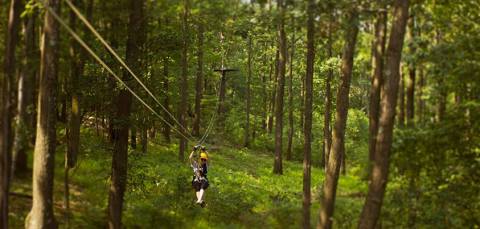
x=200 y=195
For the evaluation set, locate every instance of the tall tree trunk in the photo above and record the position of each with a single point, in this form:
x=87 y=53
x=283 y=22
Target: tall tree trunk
x=265 y=95
x=412 y=74
x=6 y=109
x=144 y=135
x=290 y=95
x=277 y=168
x=249 y=77
x=379 y=173
x=41 y=215
x=274 y=80
x=199 y=82
x=420 y=100
x=26 y=82
x=338 y=143
x=378 y=52
x=327 y=129
x=401 y=94
x=307 y=128
x=183 y=85
x=166 y=101
x=135 y=41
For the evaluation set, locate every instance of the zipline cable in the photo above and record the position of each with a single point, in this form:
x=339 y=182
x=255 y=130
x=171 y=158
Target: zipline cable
x=119 y=59
x=104 y=65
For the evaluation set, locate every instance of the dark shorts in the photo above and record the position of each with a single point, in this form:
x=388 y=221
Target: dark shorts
x=199 y=184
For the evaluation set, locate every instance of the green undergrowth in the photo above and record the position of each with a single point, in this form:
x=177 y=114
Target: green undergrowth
x=243 y=192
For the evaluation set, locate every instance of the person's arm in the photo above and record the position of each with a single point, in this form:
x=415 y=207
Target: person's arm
x=190 y=158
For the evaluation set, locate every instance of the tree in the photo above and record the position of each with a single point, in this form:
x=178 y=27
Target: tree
x=411 y=73
x=338 y=142
x=307 y=132
x=6 y=108
x=378 y=50
x=282 y=45
x=26 y=80
x=290 y=94
x=379 y=171
x=41 y=215
x=183 y=85
x=135 y=42
x=327 y=129
x=248 y=99
x=199 y=81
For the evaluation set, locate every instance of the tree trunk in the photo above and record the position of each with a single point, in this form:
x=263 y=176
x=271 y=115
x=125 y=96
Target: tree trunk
x=249 y=77
x=7 y=96
x=290 y=95
x=401 y=94
x=307 y=131
x=166 y=101
x=327 y=129
x=412 y=74
x=144 y=136
x=274 y=80
x=183 y=85
x=41 y=215
x=26 y=82
x=277 y=169
x=338 y=143
x=420 y=100
x=379 y=173
x=265 y=95
x=378 y=52
x=135 y=41
x=199 y=82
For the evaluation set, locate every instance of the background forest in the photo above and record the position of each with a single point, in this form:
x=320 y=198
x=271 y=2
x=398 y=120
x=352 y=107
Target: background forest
x=329 y=113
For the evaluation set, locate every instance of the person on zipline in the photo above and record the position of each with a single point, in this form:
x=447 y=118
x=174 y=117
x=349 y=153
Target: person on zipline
x=200 y=170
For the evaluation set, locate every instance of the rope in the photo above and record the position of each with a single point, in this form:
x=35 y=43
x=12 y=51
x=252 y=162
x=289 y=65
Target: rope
x=112 y=51
x=101 y=62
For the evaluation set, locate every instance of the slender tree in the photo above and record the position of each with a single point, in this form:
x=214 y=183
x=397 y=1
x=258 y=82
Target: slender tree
x=412 y=71
x=199 y=81
x=307 y=132
x=290 y=94
x=41 y=215
x=6 y=108
x=135 y=41
x=338 y=142
x=379 y=172
x=401 y=98
x=183 y=85
x=378 y=51
x=26 y=80
x=248 y=99
x=327 y=129
x=282 y=44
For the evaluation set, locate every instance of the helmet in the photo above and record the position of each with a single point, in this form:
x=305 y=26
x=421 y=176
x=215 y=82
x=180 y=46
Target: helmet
x=203 y=156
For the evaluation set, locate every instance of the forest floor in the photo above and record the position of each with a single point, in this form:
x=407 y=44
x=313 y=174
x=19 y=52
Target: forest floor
x=243 y=192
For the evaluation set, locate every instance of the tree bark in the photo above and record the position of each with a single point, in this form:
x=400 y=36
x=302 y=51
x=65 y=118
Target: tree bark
x=412 y=74
x=135 y=41
x=166 y=101
x=7 y=96
x=199 y=82
x=274 y=80
x=183 y=85
x=290 y=95
x=401 y=95
x=25 y=104
x=379 y=172
x=307 y=131
x=248 y=99
x=133 y=136
x=378 y=52
x=41 y=215
x=277 y=169
x=338 y=143
x=327 y=129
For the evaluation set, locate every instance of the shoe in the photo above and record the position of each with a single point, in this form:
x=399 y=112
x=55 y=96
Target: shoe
x=203 y=204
